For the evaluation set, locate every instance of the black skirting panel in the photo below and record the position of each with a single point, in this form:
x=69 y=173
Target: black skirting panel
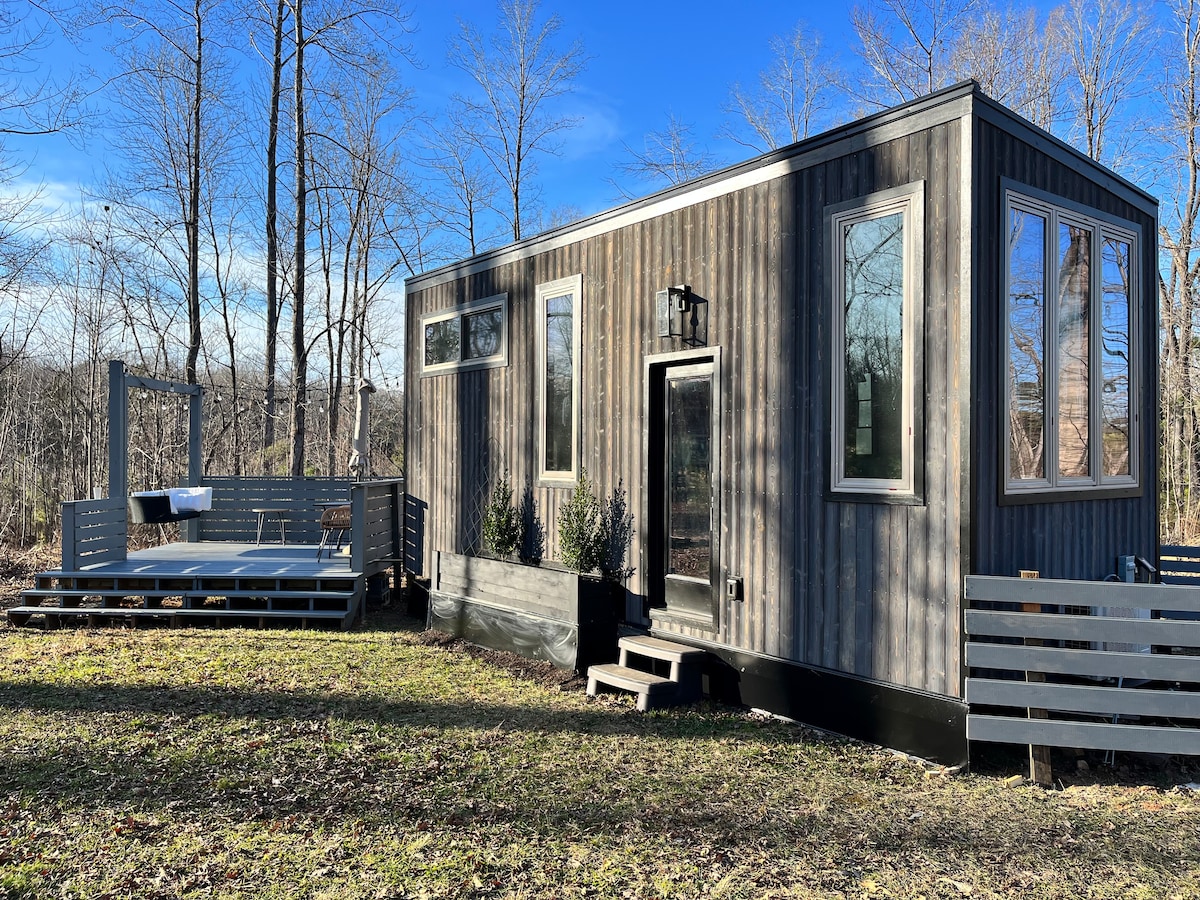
x=925 y=725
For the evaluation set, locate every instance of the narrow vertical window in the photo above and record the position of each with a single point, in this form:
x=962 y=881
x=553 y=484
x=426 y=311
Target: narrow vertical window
x=559 y=330
x=1026 y=330
x=1114 y=356
x=876 y=275
x=1070 y=327
x=1074 y=350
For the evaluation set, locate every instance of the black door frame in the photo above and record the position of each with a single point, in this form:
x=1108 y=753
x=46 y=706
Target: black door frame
x=653 y=488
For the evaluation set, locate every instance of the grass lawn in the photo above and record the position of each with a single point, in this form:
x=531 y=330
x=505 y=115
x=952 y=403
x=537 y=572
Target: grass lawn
x=199 y=763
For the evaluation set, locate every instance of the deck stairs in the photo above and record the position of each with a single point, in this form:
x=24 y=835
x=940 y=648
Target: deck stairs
x=681 y=686
x=94 y=598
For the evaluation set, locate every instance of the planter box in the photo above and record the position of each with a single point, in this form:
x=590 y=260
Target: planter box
x=563 y=617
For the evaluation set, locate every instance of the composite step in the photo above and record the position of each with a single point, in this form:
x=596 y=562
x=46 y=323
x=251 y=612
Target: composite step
x=682 y=685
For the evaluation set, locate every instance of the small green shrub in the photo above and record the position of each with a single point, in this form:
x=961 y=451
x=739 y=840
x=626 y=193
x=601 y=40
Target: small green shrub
x=579 y=528
x=594 y=535
x=503 y=529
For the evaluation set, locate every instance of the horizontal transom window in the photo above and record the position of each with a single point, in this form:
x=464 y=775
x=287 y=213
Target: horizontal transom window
x=471 y=335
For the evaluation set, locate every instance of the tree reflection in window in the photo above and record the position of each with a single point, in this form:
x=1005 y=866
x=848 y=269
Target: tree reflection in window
x=1026 y=329
x=481 y=334
x=1071 y=299
x=873 y=273
x=1115 y=334
x=441 y=342
x=1074 y=314
x=560 y=394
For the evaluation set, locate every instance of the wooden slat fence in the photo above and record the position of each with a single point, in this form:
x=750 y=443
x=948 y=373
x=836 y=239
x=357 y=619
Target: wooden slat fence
x=377 y=510
x=94 y=532
x=231 y=519
x=1094 y=696
x=1179 y=564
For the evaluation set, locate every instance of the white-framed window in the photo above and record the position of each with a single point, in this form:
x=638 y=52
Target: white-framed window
x=1070 y=347
x=559 y=341
x=877 y=284
x=471 y=335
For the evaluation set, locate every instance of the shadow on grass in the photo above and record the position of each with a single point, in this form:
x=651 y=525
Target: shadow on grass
x=504 y=768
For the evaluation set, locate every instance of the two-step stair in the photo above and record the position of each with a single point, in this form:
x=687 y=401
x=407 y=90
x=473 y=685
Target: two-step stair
x=681 y=686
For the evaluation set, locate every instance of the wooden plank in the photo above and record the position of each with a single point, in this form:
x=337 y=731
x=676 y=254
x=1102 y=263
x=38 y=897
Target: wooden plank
x=1088 y=663
x=1065 y=592
x=1098 y=699
x=1112 y=629
x=1085 y=735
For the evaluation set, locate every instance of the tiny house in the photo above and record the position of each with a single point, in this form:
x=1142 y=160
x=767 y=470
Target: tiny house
x=834 y=381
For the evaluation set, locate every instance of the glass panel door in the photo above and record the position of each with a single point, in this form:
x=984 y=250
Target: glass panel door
x=687 y=486
x=689 y=477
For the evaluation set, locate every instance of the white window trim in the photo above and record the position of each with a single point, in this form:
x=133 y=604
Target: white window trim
x=572 y=285
x=497 y=359
x=1058 y=211
x=909 y=201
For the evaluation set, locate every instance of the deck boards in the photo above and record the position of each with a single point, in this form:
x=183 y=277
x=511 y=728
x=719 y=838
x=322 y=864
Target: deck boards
x=213 y=559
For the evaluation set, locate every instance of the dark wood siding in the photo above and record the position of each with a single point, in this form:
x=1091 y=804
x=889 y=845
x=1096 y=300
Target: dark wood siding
x=866 y=588
x=1077 y=538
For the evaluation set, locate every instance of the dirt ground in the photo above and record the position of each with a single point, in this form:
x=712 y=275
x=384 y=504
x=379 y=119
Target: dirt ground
x=17 y=568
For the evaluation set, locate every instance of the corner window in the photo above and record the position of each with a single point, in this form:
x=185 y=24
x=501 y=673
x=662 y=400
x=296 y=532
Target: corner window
x=877 y=288
x=1071 y=293
x=471 y=335
x=558 y=343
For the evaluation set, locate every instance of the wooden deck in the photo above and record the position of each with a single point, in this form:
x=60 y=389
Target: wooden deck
x=218 y=575
x=201 y=583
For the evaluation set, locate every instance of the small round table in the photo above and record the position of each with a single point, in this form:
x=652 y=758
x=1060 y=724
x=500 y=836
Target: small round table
x=262 y=512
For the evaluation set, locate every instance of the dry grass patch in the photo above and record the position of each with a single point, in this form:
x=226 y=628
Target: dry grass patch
x=198 y=763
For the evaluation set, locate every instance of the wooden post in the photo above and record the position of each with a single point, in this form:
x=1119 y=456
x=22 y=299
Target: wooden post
x=118 y=430
x=1040 y=770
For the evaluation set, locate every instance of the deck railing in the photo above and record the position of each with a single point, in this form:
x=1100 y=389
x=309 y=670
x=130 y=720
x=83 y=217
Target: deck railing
x=376 y=511
x=232 y=516
x=94 y=532
x=1124 y=677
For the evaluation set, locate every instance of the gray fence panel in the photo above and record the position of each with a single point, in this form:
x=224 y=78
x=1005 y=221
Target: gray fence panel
x=1083 y=698
x=997 y=589
x=1088 y=735
x=1082 y=628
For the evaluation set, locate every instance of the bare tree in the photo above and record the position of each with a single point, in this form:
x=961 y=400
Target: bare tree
x=792 y=95
x=1017 y=58
x=518 y=74
x=668 y=157
x=172 y=78
x=469 y=186
x=1107 y=42
x=1179 y=283
x=905 y=45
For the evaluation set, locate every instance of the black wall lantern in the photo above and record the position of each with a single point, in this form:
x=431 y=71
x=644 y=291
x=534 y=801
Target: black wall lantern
x=671 y=305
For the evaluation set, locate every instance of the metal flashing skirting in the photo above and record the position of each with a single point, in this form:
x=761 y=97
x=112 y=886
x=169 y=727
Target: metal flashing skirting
x=566 y=645
x=926 y=725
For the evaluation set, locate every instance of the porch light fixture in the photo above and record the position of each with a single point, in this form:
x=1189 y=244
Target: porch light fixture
x=670 y=306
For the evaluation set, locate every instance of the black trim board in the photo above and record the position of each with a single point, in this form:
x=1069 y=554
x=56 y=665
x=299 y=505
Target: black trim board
x=925 y=725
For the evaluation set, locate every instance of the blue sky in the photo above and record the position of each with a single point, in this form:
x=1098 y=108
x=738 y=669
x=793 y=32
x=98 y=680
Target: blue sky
x=648 y=60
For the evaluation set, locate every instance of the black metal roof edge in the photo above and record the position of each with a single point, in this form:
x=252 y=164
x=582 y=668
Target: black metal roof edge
x=998 y=114
x=834 y=135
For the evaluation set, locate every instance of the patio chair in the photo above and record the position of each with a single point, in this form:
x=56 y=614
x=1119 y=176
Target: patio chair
x=334 y=519
x=155 y=509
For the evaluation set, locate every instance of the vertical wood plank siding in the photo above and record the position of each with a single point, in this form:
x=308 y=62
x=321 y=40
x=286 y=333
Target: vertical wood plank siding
x=1073 y=539
x=857 y=586
x=870 y=589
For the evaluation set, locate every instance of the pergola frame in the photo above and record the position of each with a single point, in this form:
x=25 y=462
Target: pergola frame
x=120 y=381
